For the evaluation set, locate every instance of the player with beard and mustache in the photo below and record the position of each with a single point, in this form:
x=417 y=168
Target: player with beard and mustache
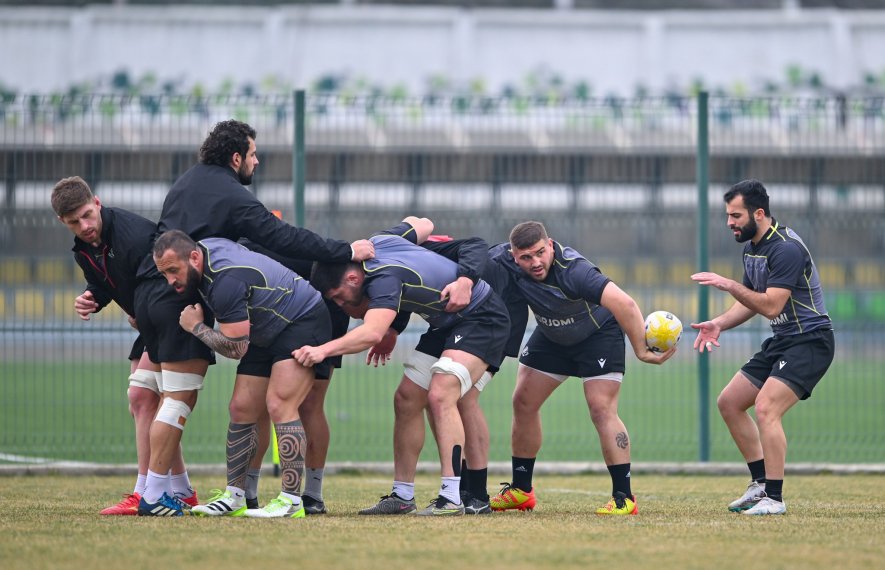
x=781 y=283
x=210 y=200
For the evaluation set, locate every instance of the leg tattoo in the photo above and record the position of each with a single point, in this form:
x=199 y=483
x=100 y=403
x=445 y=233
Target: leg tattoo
x=622 y=440
x=242 y=444
x=292 y=444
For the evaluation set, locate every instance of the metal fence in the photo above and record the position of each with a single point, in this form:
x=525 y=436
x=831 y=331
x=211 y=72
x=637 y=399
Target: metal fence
x=614 y=178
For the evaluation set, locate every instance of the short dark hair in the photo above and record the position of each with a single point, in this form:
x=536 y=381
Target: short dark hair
x=177 y=241
x=225 y=139
x=754 y=194
x=327 y=276
x=527 y=234
x=69 y=194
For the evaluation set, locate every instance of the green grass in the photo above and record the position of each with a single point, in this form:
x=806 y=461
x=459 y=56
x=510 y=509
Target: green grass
x=833 y=521
x=78 y=411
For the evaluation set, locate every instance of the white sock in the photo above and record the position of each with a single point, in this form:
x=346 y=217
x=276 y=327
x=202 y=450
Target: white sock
x=181 y=485
x=252 y=476
x=235 y=492
x=140 y=482
x=450 y=488
x=404 y=490
x=296 y=500
x=155 y=486
x=314 y=485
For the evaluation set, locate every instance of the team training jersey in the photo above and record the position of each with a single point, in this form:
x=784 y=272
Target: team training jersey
x=566 y=304
x=405 y=277
x=782 y=260
x=239 y=284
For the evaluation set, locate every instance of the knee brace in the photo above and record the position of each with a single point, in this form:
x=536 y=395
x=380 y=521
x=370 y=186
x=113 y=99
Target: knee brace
x=142 y=378
x=173 y=412
x=446 y=365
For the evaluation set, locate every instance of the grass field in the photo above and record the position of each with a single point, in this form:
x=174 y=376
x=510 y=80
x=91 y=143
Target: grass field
x=833 y=521
x=78 y=411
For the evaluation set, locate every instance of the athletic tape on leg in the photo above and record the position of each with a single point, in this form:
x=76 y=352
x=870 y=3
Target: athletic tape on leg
x=173 y=412
x=181 y=381
x=142 y=378
x=446 y=365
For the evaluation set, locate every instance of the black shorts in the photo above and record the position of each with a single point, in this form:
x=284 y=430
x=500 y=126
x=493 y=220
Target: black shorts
x=600 y=353
x=137 y=349
x=799 y=361
x=157 y=310
x=340 y=323
x=312 y=329
x=483 y=332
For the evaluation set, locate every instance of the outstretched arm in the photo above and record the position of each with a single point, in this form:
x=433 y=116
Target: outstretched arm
x=371 y=332
x=629 y=317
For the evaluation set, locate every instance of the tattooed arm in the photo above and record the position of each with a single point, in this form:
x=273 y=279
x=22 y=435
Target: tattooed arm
x=232 y=340
x=230 y=347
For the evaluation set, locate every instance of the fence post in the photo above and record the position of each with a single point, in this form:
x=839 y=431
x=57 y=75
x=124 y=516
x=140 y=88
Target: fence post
x=703 y=219
x=298 y=159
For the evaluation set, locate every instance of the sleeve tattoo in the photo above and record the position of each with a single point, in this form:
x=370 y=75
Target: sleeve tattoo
x=230 y=347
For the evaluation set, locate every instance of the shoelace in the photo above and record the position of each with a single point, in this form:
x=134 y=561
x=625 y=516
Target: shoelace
x=217 y=494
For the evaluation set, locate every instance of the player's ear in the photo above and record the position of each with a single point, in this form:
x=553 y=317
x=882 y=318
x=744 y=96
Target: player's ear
x=351 y=278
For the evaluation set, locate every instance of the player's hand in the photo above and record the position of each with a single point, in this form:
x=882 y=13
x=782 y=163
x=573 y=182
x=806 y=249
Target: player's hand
x=85 y=304
x=651 y=357
x=708 y=336
x=363 y=249
x=458 y=293
x=309 y=355
x=713 y=280
x=132 y=322
x=190 y=317
x=380 y=353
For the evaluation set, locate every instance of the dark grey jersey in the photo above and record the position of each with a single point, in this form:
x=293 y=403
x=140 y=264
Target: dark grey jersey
x=239 y=284
x=781 y=260
x=405 y=277
x=566 y=304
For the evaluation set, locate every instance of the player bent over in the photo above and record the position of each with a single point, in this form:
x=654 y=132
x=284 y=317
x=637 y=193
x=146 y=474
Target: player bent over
x=406 y=277
x=264 y=310
x=780 y=282
x=109 y=245
x=582 y=317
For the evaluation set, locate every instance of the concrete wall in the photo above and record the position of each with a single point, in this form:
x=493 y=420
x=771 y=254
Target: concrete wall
x=52 y=48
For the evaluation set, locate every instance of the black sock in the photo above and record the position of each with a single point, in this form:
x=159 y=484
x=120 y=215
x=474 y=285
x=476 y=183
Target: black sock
x=477 y=481
x=522 y=472
x=774 y=489
x=465 y=478
x=620 y=479
x=757 y=470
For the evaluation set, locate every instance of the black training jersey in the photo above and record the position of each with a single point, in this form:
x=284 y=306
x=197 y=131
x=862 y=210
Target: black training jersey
x=239 y=284
x=566 y=304
x=209 y=201
x=781 y=260
x=405 y=277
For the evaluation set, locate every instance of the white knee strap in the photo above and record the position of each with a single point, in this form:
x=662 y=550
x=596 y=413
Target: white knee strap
x=173 y=412
x=159 y=376
x=181 y=381
x=446 y=365
x=142 y=378
x=483 y=381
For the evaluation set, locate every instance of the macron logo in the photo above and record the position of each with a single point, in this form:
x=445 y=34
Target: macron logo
x=781 y=364
x=458 y=338
x=601 y=362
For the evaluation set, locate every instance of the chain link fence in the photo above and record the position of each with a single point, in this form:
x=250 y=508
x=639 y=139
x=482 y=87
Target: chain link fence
x=614 y=178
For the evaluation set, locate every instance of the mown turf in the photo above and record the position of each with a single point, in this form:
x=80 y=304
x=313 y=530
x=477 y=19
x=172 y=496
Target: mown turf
x=833 y=521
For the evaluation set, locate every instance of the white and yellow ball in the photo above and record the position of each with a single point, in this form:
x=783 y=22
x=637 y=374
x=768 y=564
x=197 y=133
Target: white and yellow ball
x=662 y=331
